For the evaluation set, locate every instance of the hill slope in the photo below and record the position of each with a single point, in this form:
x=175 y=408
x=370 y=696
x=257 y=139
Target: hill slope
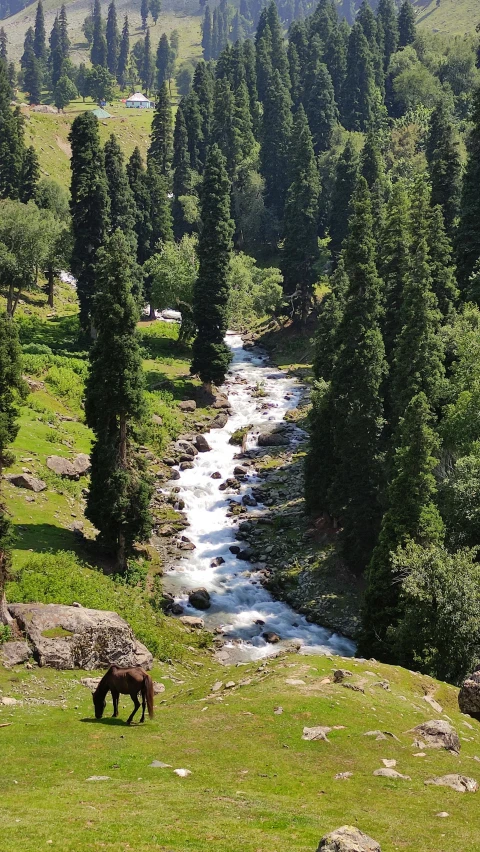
x=255 y=784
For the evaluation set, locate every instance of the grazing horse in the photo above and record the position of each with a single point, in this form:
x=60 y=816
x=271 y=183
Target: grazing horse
x=128 y=682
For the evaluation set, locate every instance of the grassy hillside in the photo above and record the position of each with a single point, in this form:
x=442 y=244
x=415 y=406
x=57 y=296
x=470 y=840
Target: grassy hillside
x=451 y=17
x=254 y=784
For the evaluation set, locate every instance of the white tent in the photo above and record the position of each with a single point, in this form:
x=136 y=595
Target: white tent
x=138 y=101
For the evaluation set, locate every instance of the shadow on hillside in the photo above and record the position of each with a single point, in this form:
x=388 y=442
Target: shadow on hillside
x=182 y=387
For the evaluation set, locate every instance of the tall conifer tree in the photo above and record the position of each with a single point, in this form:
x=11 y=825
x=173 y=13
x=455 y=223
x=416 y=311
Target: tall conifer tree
x=444 y=165
x=274 y=154
x=388 y=29
x=346 y=174
x=113 y=40
x=359 y=95
x=40 y=41
x=468 y=235
x=406 y=24
x=122 y=203
x=211 y=355
x=98 y=52
x=322 y=111
x=182 y=178
x=12 y=146
x=124 y=53
x=160 y=150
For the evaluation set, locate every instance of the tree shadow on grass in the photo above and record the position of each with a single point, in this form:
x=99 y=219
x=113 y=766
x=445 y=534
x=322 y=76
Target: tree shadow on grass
x=182 y=387
x=48 y=538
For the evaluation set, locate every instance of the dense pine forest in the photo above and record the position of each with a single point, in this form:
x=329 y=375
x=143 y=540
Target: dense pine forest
x=321 y=166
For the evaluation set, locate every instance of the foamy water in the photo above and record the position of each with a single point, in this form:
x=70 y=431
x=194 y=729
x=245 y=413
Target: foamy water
x=237 y=597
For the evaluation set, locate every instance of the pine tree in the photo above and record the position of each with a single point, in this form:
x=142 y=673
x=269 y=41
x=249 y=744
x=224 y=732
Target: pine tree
x=346 y=175
x=40 y=41
x=329 y=321
x=63 y=32
x=163 y=62
x=322 y=111
x=441 y=265
x=225 y=132
x=418 y=356
x=300 y=249
x=394 y=264
x=279 y=54
x=182 y=178
x=160 y=212
x=369 y=25
x=411 y=516
x=207 y=34
x=320 y=461
x=335 y=58
x=146 y=71
x=155 y=9
x=359 y=94
x=277 y=127
x=56 y=59
x=11 y=141
x=3 y=46
x=144 y=13
x=193 y=123
x=295 y=72
x=113 y=40
x=119 y=494
x=32 y=76
x=444 y=165
x=89 y=207
x=388 y=29
x=12 y=391
x=406 y=24
x=243 y=122
x=211 y=355
x=98 y=52
x=203 y=85
x=372 y=167
x=468 y=234
x=137 y=178
x=123 y=55
x=30 y=176
x=27 y=48
x=357 y=380
x=160 y=150
x=122 y=203
x=264 y=66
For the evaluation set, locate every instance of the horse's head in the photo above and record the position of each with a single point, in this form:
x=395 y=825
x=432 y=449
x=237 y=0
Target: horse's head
x=99 y=704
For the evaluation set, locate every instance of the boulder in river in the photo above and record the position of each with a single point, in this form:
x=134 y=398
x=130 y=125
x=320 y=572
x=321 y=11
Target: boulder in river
x=348 y=838
x=274 y=436
x=271 y=637
x=219 y=421
x=469 y=695
x=200 y=599
x=202 y=444
x=192 y=621
x=68 y=637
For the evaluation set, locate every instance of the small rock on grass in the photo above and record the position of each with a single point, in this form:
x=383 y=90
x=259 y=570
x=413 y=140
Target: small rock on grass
x=182 y=773
x=99 y=778
x=157 y=764
x=443 y=814
x=343 y=776
x=459 y=783
x=391 y=773
x=438 y=734
x=389 y=763
x=348 y=838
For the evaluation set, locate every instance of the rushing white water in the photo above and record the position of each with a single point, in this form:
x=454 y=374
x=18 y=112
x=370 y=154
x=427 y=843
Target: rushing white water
x=238 y=599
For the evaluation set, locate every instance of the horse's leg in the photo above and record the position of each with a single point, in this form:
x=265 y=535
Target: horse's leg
x=115 y=697
x=144 y=701
x=136 y=702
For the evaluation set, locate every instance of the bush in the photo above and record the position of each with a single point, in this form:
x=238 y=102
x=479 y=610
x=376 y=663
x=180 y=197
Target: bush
x=36 y=349
x=5 y=633
x=61 y=578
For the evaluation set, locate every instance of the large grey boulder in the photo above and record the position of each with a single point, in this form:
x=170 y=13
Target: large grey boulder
x=469 y=695
x=25 y=480
x=436 y=733
x=69 y=637
x=199 y=598
x=14 y=653
x=274 y=436
x=82 y=464
x=459 y=783
x=348 y=839
x=62 y=467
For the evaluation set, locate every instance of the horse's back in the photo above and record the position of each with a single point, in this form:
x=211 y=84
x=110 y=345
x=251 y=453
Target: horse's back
x=124 y=679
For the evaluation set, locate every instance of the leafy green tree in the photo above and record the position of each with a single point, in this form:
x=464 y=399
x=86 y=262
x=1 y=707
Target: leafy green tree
x=98 y=53
x=123 y=54
x=346 y=174
x=322 y=111
x=458 y=500
x=406 y=24
x=11 y=141
x=255 y=292
x=211 y=355
x=277 y=127
x=89 y=207
x=356 y=386
x=300 y=248
x=101 y=84
x=444 y=165
x=113 y=39
x=160 y=150
x=65 y=91
x=40 y=41
x=12 y=391
x=173 y=271
x=440 y=599
x=411 y=516
x=119 y=495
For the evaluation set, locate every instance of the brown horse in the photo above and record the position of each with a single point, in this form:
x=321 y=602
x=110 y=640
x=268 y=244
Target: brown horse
x=128 y=682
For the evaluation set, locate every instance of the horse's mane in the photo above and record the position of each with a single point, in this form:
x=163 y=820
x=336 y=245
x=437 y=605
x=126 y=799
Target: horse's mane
x=103 y=686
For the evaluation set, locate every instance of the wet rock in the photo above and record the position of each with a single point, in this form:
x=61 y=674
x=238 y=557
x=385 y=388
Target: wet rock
x=240 y=471
x=187 y=405
x=169 y=461
x=469 y=695
x=202 y=444
x=459 y=783
x=221 y=401
x=200 y=599
x=249 y=500
x=235 y=549
x=348 y=838
x=14 y=653
x=186 y=448
x=219 y=421
x=245 y=555
x=186 y=465
x=176 y=609
x=219 y=560
x=436 y=733
x=339 y=675
x=273 y=436
x=271 y=637
x=24 y=480
x=89 y=638
x=192 y=621
x=174 y=474
x=216 y=475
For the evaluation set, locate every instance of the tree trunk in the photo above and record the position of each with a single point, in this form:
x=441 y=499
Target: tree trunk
x=10 y=301
x=50 y=280
x=152 y=315
x=5 y=617
x=123 y=440
x=208 y=388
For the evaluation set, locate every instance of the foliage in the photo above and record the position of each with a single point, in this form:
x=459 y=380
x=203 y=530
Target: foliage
x=173 y=271
x=254 y=292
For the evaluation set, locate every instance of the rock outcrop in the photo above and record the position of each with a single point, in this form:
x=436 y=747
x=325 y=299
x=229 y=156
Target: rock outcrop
x=348 y=839
x=14 y=653
x=469 y=695
x=25 y=480
x=459 y=783
x=68 y=637
x=436 y=733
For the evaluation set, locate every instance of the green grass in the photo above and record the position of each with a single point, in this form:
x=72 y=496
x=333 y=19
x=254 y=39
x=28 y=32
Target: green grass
x=255 y=784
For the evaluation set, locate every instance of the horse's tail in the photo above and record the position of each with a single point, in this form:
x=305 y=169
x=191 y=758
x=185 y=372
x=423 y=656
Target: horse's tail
x=149 y=690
